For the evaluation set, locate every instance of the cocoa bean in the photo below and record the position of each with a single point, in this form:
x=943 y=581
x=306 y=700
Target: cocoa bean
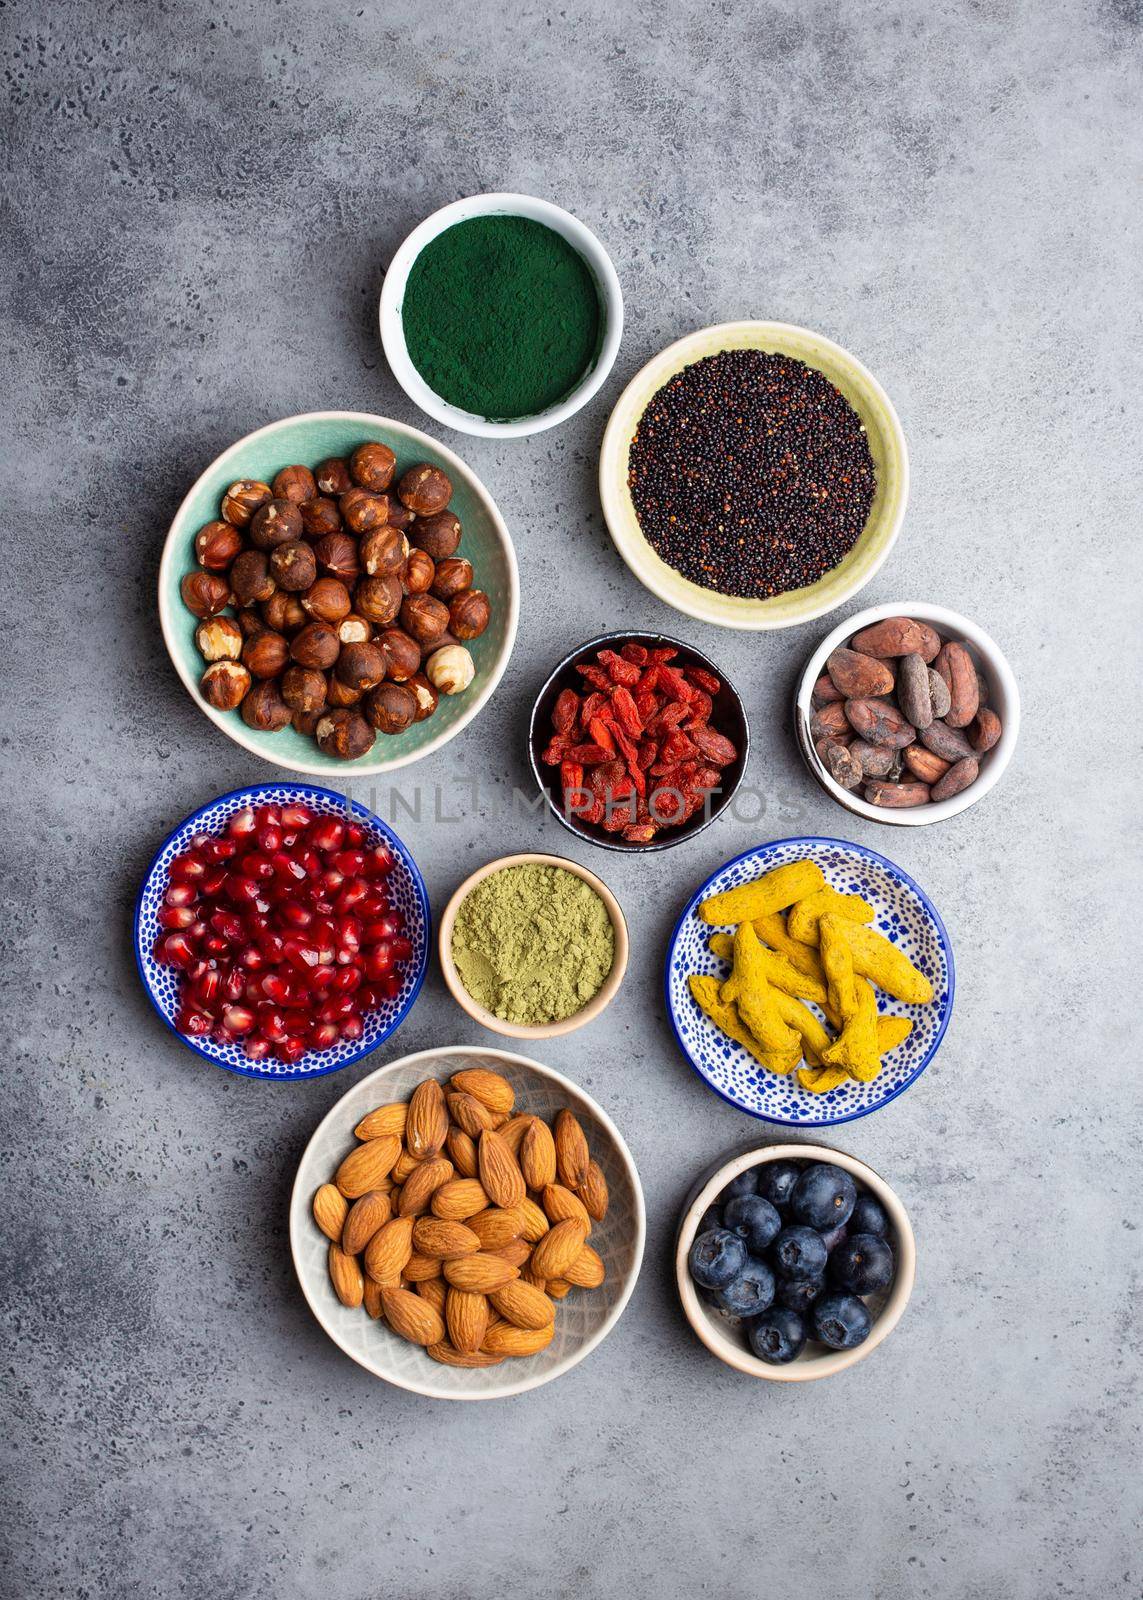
x=965 y=695
x=824 y=693
x=984 y=730
x=982 y=687
x=843 y=767
x=948 y=743
x=941 y=667
x=958 y=777
x=932 y=642
x=924 y=764
x=913 y=691
x=879 y=722
x=829 y=722
x=875 y=759
x=896 y=794
x=895 y=636
x=857 y=676
x=939 y=695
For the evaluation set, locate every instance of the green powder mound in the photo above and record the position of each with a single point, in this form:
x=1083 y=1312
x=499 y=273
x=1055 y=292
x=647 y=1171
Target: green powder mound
x=533 y=943
x=501 y=316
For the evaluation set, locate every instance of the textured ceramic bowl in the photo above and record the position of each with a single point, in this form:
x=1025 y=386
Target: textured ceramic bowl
x=549 y=1030
x=886 y=442
x=905 y=914
x=583 y=1319
x=309 y=439
x=1004 y=698
x=406 y=889
x=728 y=717
x=514 y=205
x=724 y=1339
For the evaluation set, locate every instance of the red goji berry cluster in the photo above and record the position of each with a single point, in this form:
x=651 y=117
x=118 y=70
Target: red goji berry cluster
x=635 y=750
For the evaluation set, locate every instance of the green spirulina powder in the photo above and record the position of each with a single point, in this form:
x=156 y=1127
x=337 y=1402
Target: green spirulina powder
x=501 y=317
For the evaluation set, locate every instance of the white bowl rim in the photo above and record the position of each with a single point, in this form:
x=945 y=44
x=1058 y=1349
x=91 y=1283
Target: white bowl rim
x=235 y=728
x=500 y=203
x=997 y=669
x=703 y=611
x=300 y=1204
x=741 y=1357
x=599 y=1001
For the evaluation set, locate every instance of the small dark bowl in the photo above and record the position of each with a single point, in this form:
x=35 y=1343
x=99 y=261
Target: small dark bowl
x=728 y=717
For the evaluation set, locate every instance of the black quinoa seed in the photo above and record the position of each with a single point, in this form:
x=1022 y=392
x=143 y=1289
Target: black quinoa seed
x=751 y=474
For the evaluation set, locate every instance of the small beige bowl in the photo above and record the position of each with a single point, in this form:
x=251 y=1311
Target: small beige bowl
x=720 y=1336
x=547 y=1030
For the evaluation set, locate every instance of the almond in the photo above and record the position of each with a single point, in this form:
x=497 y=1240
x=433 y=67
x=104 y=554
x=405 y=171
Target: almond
x=529 y=1274
x=499 y=1173
x=534 y=1224
x=389 y=1250
x=345 y=1275
x=405 y=1165
x=538 y=1155
x=572 y=1154
x=496 y=1227
x=434 y=1290
x=466 y=1317
x=489 y=1088
x=505 y=1339
x=383 y=1120
x=330 y=1207
x=558 y=1249
x=432 y=1236
x=516 y=1252
x=421 y=1184
x=563 y=1206
x=462 y=1152
x=449 y=1356
x=411 y=1316
x=427 y=1121
x=586 y=1271
x=593 y=1192
x=366 y=1215
x=482 y=1273
x=364 y=1167
x=469 y=1115
x=558 y=1288
x=371 y=1299
x=513 y=1132
x=421 y=1268
x=459 y=1199
x=524 y=1305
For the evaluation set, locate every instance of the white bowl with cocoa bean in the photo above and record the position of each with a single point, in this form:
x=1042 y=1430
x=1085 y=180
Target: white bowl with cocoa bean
x=907 y=713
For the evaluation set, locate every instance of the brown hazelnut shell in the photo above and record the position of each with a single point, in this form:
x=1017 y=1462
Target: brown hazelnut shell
x=332 y=477
x=338 y=557
x=391 y=707
x=402 y=654
x=216 y=544
x=320 y=516
x=420 y=570
x=360 y=666
x=439 y=535
x=344 y=733
x=264 y=709
x=327 y=600
x=384 y=552
x=303 y=688
x=265 y=654
x=315 y=645
x=425 y=489
x=251 y=578
x=274 y=523
x=295 y=483
x=378 y=600
x=294 y=565
x=283 y=612
x=363 y=511
x=204 y=594
x=243 y=498
x=225 y=684
x=424 y=618
x=453 y=576
x=372 y=466
x=469 y=614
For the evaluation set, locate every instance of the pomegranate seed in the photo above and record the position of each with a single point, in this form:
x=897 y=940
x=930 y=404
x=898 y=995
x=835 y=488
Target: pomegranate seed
x=354 y=834
x=241 y=823
x=223 y=1035
x=331 y=880
x=347 y=978
x=255 y=865
x=400 y=948
x=256 y=1047
x=233 y=983
x=327 y=834
x=379 y=959
x=269 y=839
x=197 y=840
x=351 y=862
x=292 y=1048
x=186 y=869
x=374 y=904
x=208 y=986
x=295 y=914
x=181 y=894
x=300 y=954
x=287 y=867
x=347 y=932
x=351 y=894
x=176 y=917
x=322 y=1035
x=177 y=950
x=193 y=1022
x=391 y=985
x=212 y=883
x=238 y=1019
x=241 y=889
x=295 y=816
x=367 y=998
x=221 y=850
x=321 y=979
x=386 y=927
x=275 y=987
x=214 y=945
x=271 y=1022
x=381 y=860
x=310 y=860
x=267 y=817
x=352 y=1028
x=251 y=958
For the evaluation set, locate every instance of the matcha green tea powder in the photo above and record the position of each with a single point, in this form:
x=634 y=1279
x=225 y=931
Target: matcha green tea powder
x=501 y=316
x=533 y=943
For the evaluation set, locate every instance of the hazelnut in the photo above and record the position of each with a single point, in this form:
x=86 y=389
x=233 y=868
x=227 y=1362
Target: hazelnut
x=371 y=465
x=337 y=555
x=327 y=600
x=423 y=617
x=265 y=654
x=345 y=734
x=425 y=695
x=438 y=535
x=363 y=511
x=384 y=551
x=360 y=666
x=274 y=523
x=296 y=484
x=391 y=707
x=294 y=565
x=319 y=517
x=469 y=613
x=225 y=684
x=264 y=709
x=354 y=629
x=216 y=544
x=204 y=593
x=450 y=670
x=242 y=499
x=400 y=516
x=454 y=574
x=219 y=639
x=306 y=721
x=425 y=490
x=250 y=578
x=378 y=600
x=283 y=612
x=315 y=645
x=420 y=570
x=250 y=621
x=332 y=476
x=303 y=688
x=340 y=694
x=402 y=654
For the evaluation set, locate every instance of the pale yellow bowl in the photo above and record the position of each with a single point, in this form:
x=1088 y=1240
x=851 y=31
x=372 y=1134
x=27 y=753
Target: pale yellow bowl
x=886 y=444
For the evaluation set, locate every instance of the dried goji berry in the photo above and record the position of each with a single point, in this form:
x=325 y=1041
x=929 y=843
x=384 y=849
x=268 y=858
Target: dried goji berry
x=640 y=832
x=571 y=774
x=667 y=718
x=596 y=676
x=594 y=705
x=588 y=755
x=601 y=733
x=665 y=803
x=648 y=752
x=704 y=679
x=716 y=747
x=663 y=652
x=635 y=652
x=619 y=671
x=672 y=682
x=565 y=711
x=701 y=707
x=554 y=753
x=677 y=747
x=646 y=703
x=626 y=710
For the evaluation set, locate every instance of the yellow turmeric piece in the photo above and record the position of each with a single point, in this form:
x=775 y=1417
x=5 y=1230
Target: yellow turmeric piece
x=750 y=989
x=892 y=1031
x=773 y=891
x=815 y=1040
x=773 y=930
x=837 y=962
x=781 y=973
x=802 y=922
x=876 y=958
x=856 y=1047
x=820 y=1080
x=706 y=994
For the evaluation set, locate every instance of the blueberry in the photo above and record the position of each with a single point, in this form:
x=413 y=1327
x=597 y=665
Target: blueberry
x=799 y=1253
x=798 y=1295
x=869 y=1216
x=841 y=1321
x=776 y=1182
x=823 y=1197
x=751 y=1292
x=711 y=1218
x=778 y=1335
x=834 y=1237
x=754 y=1220
x=716 y=1257
x=745 y=1183
x=863 y=1264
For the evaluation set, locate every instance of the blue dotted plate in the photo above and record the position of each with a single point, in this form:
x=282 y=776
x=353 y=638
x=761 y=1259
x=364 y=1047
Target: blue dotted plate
x=405 y=887
x=904 y=914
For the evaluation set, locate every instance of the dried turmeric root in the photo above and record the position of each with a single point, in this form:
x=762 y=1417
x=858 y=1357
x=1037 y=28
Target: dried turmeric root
x=725 y=1016
x=774 y=891
x=802 y=922
x=815 y=1040
x=774 y=931
x=876 y=958
x=781 y=973
x=750 y=989
x=820 y=1080
x=856 y=1049
x=892 y=1031
x=837 y=963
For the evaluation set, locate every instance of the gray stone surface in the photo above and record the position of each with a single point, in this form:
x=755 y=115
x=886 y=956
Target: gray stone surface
x=199 y=203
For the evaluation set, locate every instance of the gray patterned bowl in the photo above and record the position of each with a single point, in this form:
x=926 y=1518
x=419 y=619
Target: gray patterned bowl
x=905 y=914
x=583 y=1319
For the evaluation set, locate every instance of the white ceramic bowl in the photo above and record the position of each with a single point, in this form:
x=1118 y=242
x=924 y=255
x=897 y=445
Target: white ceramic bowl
x=516 y=205
x=727 y=1342
x=583 y=1319
x=1004 y=698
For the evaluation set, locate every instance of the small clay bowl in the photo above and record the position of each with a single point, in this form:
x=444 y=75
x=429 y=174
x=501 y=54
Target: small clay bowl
x=547 y=1030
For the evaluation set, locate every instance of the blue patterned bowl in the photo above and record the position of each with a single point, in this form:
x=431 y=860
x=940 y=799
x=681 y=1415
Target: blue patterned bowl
x=905 y=914
x=406 y=888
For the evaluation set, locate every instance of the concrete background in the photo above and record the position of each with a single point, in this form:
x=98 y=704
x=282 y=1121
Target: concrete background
x=199 y=203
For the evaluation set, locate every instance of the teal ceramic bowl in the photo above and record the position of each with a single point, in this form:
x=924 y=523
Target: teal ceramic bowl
x=485 y=541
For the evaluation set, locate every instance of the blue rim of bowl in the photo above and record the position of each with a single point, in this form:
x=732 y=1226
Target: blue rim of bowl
x=681 y=835
x=872 y=855
x=356 y=809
